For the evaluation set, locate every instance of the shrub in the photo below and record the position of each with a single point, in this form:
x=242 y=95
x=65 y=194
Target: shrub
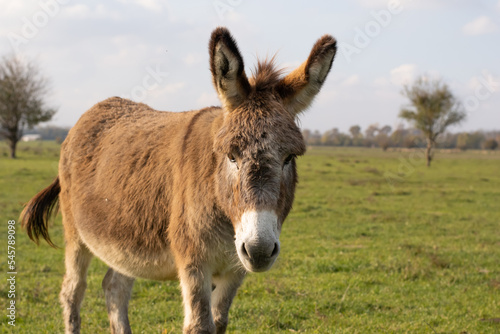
x=490 y=144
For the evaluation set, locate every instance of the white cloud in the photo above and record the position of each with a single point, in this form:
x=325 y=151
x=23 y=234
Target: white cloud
x=404 y=4
x=432 y=75
x=381 y=82
x=480 y=26
x=15 y=8
x=403 y=74
x=126 y=51
x=82 y=12
x=233 y=16
x=169 y=89
x=192 y=59
x=351 y=80
x=79 y=11
x=149 y=4
x=487 y=80
x=103 y=12
x=154 y=5
x=290 y=66
x=373 y=4
x=331 y=92
x=174 y=88
x=207 y=99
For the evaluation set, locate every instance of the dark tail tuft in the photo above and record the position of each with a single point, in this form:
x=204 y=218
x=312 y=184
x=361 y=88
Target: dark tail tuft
x=36 y=214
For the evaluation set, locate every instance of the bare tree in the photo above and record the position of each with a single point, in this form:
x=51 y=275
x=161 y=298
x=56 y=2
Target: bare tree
x=432 y=109
x=22 y=94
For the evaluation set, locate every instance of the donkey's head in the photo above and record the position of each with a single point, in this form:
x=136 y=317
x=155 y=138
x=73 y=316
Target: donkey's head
x=259 y=141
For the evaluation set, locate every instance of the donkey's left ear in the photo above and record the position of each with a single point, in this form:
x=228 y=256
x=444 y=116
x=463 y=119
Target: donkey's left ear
x=227 y=68
x=299 y=88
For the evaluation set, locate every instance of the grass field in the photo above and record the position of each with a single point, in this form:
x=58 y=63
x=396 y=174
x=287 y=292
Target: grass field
x=376 y=243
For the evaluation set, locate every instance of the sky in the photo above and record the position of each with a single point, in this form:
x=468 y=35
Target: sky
x=156 y=52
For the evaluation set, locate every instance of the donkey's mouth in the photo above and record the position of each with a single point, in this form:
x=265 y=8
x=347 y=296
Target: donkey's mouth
x=257 y=240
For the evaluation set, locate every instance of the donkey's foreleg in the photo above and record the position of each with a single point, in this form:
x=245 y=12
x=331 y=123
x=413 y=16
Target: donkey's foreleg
x=222 y=297
x=196 y=286
x=77 y=260
x=117 y=289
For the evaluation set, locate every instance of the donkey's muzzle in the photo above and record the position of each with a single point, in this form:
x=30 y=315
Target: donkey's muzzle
x=260 y=257
x=257 y=240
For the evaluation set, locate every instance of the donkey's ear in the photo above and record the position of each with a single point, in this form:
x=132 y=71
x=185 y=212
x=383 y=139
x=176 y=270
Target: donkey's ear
x=299 y=88
x=227 y=68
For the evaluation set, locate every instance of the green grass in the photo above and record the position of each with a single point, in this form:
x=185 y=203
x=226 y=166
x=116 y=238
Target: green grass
x=376 y=243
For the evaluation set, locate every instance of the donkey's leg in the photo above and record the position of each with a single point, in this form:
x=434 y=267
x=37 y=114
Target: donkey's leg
x=117 y=289
x=77 y=260
x=196 y=286
x=222 y=297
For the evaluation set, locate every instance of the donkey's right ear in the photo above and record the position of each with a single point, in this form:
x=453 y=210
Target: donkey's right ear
x=299 y=88
x=226 y=65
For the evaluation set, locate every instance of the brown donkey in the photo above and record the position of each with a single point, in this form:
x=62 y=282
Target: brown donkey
x=198 y=196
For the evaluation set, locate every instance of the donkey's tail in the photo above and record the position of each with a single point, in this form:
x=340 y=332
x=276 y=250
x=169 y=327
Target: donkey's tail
x=36 y=214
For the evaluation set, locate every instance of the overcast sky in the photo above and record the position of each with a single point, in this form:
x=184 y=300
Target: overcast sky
x=156 y=52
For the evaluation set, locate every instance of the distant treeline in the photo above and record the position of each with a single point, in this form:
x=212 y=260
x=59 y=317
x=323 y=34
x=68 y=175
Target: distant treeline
x=374 y=136
x=384 y=137
x=50 y=132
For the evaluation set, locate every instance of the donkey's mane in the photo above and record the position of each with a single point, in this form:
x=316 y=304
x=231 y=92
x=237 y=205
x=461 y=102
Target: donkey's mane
x=266 y=75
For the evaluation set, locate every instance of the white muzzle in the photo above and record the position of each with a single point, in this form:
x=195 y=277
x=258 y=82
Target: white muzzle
x=257 y=240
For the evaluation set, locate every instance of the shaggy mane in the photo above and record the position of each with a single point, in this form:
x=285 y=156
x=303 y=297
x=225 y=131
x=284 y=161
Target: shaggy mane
x=266 y=75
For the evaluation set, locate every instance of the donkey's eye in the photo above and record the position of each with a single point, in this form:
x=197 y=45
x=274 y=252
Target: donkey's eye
x=289 y=159
x=231 y=157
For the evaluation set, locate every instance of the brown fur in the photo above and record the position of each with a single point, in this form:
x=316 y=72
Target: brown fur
x=156 y=195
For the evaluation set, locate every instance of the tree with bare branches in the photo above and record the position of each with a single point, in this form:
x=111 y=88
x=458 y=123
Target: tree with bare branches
x=433 y=108
x=22 y=99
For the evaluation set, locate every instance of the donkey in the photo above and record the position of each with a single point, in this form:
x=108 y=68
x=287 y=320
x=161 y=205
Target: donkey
x=199 y=196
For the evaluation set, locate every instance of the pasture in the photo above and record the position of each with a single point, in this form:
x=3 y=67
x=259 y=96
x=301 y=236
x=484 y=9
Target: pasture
x=376 y=243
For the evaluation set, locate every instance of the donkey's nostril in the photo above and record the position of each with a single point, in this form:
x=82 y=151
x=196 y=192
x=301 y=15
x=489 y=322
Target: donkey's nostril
x=244 y=250
x=259 y=256
x=275 y=250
